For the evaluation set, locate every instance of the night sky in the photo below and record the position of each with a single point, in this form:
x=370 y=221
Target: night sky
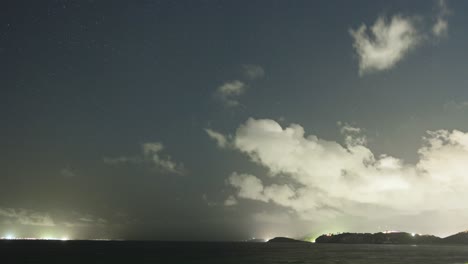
x=227 y=120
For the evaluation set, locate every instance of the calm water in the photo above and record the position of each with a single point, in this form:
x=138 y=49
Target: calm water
x=242 y=253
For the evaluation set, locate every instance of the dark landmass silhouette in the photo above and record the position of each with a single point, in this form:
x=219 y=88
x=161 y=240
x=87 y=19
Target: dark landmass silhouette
x=285 y=240
x=378 y=238
x=392 y=237
x=459 y=238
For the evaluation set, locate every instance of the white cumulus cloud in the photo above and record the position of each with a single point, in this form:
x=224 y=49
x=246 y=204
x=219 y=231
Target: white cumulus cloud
x=385 y=43
x=390 y=39
x=316 y=177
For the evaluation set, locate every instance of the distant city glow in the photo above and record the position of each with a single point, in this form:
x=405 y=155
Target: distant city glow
x=391 y=231
x=49 y=238
x=9 y=236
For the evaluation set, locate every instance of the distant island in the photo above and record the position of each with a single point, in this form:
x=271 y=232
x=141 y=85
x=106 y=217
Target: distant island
x=378 y=238
x=388 y=237
x=285 y=240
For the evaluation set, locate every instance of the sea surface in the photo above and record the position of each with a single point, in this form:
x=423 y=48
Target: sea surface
x=102 y=252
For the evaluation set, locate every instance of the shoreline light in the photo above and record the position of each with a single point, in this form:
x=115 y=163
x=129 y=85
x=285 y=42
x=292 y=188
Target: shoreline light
x=9 y=237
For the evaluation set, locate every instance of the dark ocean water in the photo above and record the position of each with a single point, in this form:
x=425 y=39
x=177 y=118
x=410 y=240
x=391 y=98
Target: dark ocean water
x=222 y=252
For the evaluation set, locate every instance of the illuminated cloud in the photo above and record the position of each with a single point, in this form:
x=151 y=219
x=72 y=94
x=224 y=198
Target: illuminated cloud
x=86 y=219
x=63 y=219
x=229 y=91
x=381 y=46
x=83 y=220
x=26 y=217
x=352 y=135
x=220 y=139
x=250 y=187
x=151 y=155
x=385 y=43
x=230 y=201
x=316 y=177
x=152 y=151
x=253 y=72
x=440 y=27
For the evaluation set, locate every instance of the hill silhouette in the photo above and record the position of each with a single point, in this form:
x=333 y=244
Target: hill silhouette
x=285 y=240
x=378 y=238
x=459 y=238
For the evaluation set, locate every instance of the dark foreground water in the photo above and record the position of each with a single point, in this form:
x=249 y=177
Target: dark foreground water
x=240 y=253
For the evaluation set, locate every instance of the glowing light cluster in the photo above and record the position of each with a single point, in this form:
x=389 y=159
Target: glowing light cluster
x=9 y=236
x=390 y=231
x=12 y=237
x=333 y=234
